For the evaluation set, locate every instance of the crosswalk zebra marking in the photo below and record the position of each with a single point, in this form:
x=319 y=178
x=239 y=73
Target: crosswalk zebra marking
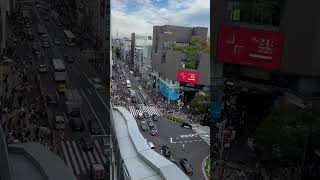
x=96 y=156
x=100 y=151
x=86 y=159
x=152 y=110
x=65 y=154
x=79 y=157
x=76 y=168
x=91 y=157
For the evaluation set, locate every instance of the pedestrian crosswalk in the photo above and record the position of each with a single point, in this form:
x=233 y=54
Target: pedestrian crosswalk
x=79 y=160
x=151 y=110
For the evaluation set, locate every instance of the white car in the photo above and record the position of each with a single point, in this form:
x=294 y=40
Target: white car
x=139 y=87
x=97 y=83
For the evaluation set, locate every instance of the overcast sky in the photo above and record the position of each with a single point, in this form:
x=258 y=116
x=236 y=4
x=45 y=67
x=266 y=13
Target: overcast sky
x=139 y=16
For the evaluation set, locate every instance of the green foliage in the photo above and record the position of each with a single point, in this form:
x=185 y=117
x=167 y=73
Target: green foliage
x=200 y=103
x=286 y=129
x=172 y=118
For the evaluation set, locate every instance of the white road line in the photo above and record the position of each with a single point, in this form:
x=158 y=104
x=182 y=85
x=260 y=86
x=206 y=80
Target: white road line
x=79 y=157
x=65 y=154
x=84 y=123
x=96 y=155
x=100 y=151
x=65 y=117
x=76 y=168
x=91 y=157
x=94 y=113
x=86 y=159
x=89 y=91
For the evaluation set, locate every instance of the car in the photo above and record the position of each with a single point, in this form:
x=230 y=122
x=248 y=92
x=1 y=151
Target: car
x=76 y=124
x=69 y=59
x=59 y=122
x=154 y=117
x=153 y=130
x=97 y=83
x=27 y=25
x=145 y=114
x=139 y=87
x=144 y=126
x=35 y=46
x=59 y=24
x=44 y=37
x=57 y=41
x=150 y=123
x=43 y=68
x=165 y=151
x=140 y=115
x=52 y=99
x=94 y=127
x=186 y=166
x=46 y=44
x=186 y=125
x=61 y=88
x=37 y=52
x=86 y=143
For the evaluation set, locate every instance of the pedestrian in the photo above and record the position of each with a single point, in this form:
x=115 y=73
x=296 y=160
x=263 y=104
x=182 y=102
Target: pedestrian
x=183 y=147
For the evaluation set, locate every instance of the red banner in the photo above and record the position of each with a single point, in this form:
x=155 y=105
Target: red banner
x=189 y=76
x=250 y=47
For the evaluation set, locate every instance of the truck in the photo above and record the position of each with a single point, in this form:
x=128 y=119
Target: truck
x=73 y=102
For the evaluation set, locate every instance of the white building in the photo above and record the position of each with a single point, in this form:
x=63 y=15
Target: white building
x=146 y=63
x=140 y=43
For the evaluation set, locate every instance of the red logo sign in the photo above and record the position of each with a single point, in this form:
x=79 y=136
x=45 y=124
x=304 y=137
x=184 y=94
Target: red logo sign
x=250 y=47
x=188 y=76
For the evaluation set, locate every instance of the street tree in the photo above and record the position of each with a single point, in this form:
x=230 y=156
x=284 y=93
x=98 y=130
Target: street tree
x=199 y=104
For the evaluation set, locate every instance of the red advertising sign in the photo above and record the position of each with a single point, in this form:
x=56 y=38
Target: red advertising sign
x=189 y=76
x=250 y=47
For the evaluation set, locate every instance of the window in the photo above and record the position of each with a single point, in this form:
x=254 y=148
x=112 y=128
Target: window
x=163 y=58
x=267 y=12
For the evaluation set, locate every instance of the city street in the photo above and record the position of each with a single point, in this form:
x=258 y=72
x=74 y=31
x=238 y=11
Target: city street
x=169 y=133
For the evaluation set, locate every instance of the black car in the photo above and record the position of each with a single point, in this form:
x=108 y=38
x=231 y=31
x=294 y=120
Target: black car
x=46 y=18
x=94 y=127
x=145 y=114
x=186 y=166
x=69 y=59
x=186 y=125
x=86 y=143
x=76 y=124
x=154 y=117
x=165 y=151
x=52 y=99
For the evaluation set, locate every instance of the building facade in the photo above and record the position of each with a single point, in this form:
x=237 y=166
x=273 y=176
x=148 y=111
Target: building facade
x=138 y=43
x=168 y=65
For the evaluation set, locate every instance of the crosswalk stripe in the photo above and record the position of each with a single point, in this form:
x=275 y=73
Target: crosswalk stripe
x=76 y=168
x=152 y=110
x=86 y=159
x=79 y=157
x=65 y=154
x=100 y=151
x=91 y=157
x=96 y=156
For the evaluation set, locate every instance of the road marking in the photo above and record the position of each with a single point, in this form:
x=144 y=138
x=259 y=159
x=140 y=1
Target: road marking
x=58 y=96
x=96 y=155
x=73 y=159
x=84 y=123
x=65 y=154
x=94 y=113
x=65 y=116
x=89 y=91
x=86 y=159
x=100 y=151
x=91 y=157
x=79 y=157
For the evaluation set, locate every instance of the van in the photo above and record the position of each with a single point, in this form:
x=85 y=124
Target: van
x=59 y=122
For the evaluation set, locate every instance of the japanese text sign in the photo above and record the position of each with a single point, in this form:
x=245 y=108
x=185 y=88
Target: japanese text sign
x=188 y=76
x=250 y=47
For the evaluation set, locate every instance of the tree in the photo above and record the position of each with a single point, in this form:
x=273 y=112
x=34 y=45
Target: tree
x=196 y=46
x=200 y=103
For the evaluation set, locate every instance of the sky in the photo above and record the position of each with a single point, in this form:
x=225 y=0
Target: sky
x=139 y=16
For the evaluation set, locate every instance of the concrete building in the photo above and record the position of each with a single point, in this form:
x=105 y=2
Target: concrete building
x=146 y=63
x=168 y=64
x=132 y=158
x=138 y=42
x=31 y=161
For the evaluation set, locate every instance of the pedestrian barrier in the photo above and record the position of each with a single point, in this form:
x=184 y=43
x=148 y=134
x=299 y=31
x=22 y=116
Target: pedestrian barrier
x=172 y=118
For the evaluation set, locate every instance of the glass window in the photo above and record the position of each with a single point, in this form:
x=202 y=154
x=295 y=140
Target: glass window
x=260 y=12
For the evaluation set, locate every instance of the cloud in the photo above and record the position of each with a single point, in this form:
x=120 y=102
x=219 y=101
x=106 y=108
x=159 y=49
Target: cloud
x=145 y=14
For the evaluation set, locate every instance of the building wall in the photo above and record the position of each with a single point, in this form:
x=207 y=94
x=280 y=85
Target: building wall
x=5 y=168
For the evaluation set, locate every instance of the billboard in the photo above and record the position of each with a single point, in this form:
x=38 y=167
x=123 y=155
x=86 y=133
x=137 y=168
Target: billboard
x=188 y=76
x=250 y=47
x=169 y=92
